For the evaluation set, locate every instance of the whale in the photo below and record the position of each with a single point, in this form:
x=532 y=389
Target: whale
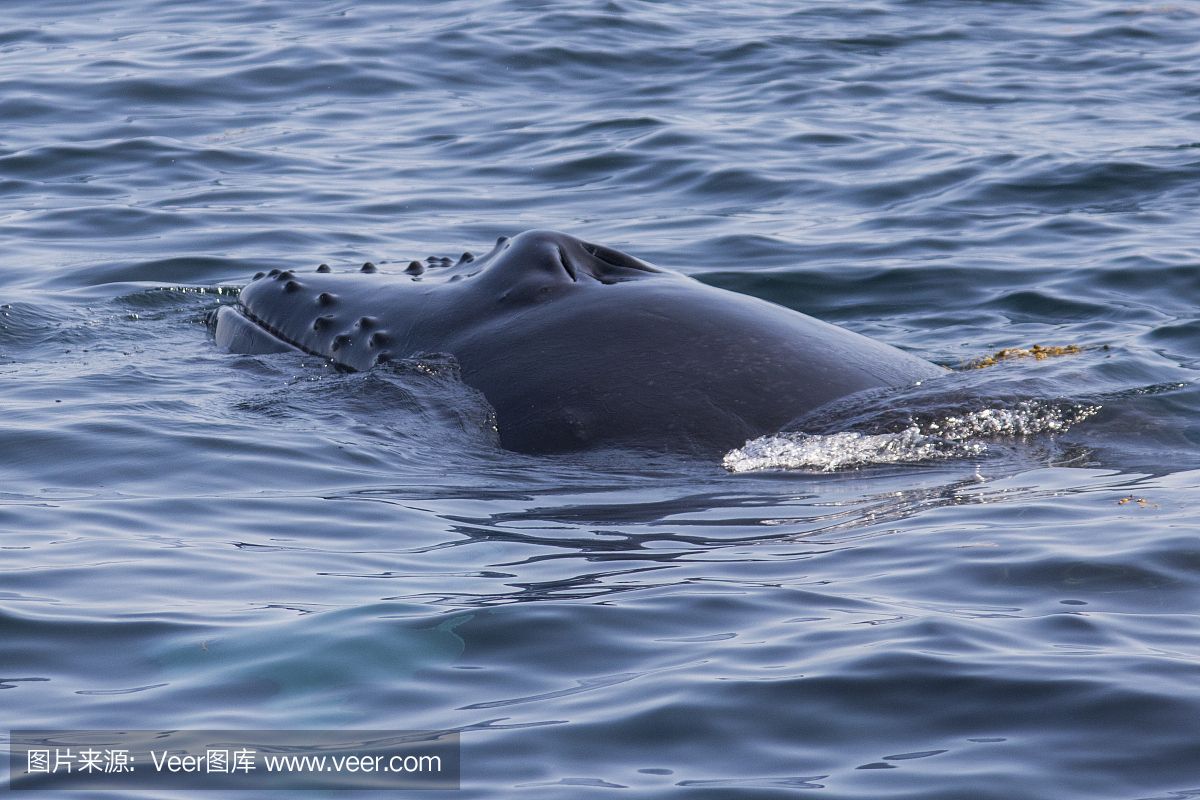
x=575 y=345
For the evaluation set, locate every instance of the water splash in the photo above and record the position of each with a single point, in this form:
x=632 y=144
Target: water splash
x=953 y=436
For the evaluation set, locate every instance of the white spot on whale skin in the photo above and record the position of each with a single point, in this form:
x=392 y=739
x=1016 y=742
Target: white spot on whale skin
x=955 y=436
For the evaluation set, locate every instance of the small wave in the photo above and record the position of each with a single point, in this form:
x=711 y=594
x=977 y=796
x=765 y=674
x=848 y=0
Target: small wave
x=954 y=436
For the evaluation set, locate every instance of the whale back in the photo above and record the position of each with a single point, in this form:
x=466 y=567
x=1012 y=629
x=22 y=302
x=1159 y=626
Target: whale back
x=577 y=346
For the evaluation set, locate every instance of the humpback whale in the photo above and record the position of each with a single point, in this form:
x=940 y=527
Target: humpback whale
x=576 y=345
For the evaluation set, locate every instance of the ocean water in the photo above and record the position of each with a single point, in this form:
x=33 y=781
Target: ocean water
x=984 y=588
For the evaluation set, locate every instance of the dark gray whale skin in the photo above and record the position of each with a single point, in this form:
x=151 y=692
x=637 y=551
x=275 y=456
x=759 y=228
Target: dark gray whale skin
x=576 y=345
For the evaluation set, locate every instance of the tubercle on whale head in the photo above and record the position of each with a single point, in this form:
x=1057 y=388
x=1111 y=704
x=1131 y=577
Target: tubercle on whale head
x=541 y=253
x=315 y=312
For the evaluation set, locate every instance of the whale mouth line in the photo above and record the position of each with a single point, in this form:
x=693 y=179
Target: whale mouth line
x=283 y=337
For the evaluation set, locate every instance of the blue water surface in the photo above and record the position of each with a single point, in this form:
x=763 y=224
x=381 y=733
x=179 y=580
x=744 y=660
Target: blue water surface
x=193 y=539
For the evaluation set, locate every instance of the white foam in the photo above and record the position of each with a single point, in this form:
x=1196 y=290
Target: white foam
x=1027 y=418
x=954 y=436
